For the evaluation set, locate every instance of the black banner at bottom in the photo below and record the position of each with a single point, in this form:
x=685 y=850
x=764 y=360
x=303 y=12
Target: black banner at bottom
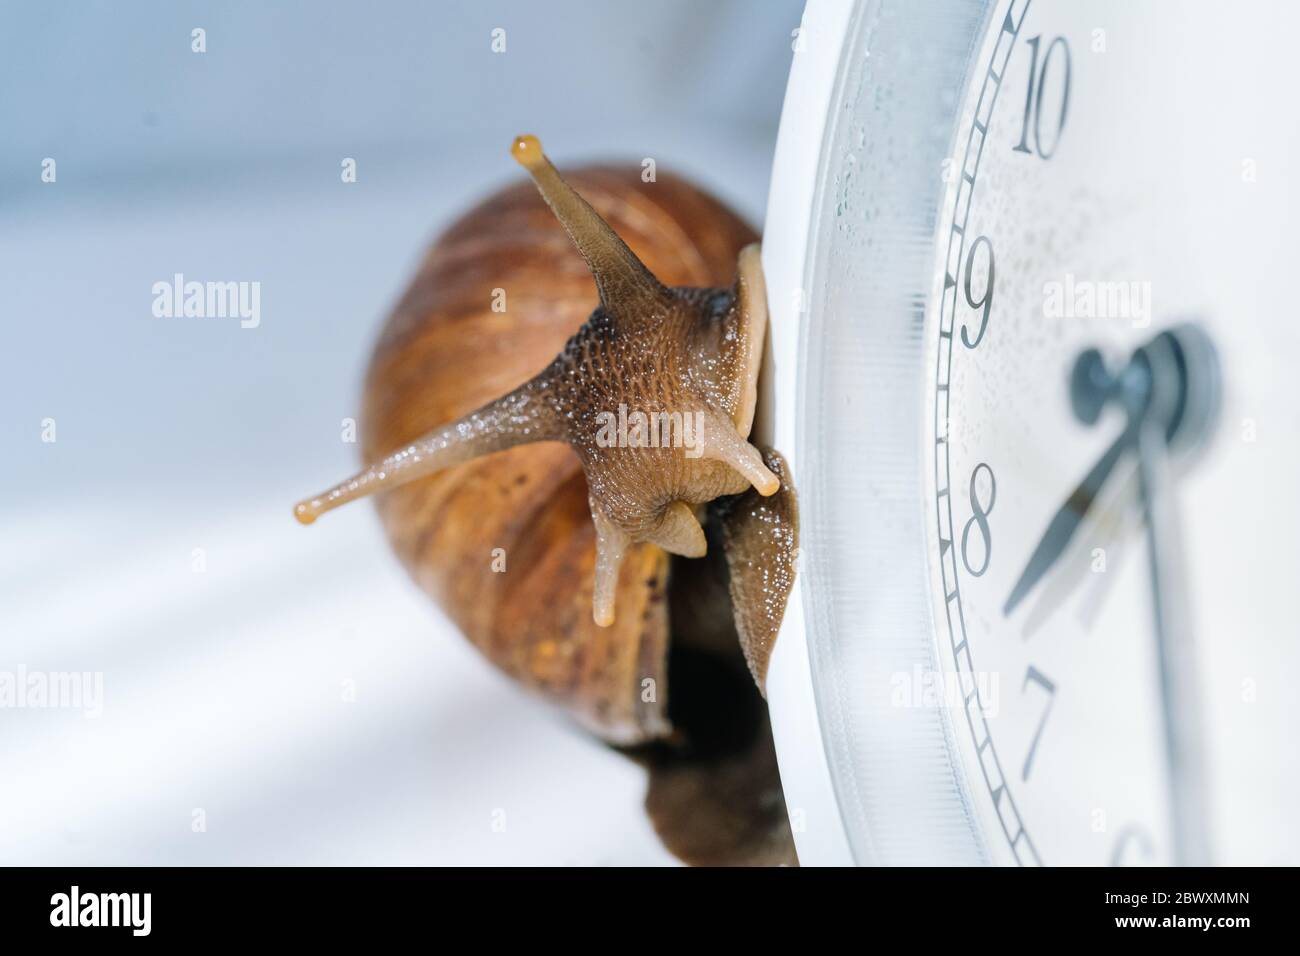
x=337 y=906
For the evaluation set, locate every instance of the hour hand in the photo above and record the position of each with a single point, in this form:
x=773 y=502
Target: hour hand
x=1066 y=521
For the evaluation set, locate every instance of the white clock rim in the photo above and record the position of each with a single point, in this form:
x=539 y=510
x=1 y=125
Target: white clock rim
x=820 y=831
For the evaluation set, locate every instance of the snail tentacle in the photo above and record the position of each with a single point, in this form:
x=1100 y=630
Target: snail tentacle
x=723 y=443
x=612 y=543
x=751 y=307
x=620 y=276
x=520 y=417
x=679 y=532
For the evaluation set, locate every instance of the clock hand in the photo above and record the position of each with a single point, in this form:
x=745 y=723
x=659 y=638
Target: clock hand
x=1092 y=387
x=1170 y=394
x=1168 y=358
x=1113 y=520
x=1067 y=520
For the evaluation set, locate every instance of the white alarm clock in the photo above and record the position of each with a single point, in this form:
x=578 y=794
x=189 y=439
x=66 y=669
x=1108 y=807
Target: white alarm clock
x=1031 y=273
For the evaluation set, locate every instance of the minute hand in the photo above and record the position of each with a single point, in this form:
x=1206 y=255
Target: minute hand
x=1067 y=520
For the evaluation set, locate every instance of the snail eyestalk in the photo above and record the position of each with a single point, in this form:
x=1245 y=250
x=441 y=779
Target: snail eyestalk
x=518 y=418
x=620 y=276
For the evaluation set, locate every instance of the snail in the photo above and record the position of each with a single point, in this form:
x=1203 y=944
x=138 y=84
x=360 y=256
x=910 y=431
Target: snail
x=544 y=447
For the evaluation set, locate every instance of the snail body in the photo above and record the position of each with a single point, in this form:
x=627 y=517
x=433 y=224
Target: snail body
x=541 y=461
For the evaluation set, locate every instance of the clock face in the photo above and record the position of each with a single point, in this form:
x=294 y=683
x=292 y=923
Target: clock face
x=1049 y=250
x=1009 y=192
x=1066 y=227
